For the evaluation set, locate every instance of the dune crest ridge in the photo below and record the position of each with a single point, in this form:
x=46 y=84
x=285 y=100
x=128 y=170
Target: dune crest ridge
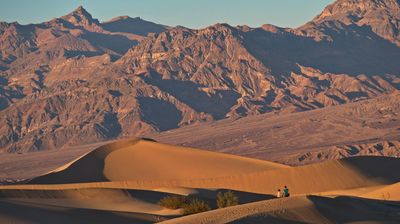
x=131 y=176
x=140 y=159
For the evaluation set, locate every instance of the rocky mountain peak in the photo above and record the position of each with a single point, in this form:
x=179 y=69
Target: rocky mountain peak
x=221 y=27
x=354 y=9
x=80 y=17
x=271 y=28
x=379 y=17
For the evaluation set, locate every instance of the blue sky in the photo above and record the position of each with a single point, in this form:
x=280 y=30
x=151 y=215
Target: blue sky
x=189 y=13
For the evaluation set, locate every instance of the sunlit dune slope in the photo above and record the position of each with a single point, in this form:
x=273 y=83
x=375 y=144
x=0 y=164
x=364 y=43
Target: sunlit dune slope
x=332 y=175
x=390 y=192
x=146 y=160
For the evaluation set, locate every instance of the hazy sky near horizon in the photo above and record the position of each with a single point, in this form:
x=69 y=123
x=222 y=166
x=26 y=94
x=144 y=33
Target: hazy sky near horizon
x=188 y=13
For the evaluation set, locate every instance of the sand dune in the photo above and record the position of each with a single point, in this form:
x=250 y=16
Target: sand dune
x=137 y=159
x=305 y=209
x=127 y=178
x=140 y=164
x=118 y=200
x=390 y=193
x=29 y=165
x=25 y=212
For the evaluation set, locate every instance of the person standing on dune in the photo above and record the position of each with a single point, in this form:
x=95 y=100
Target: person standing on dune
x=286 y=192
x=279 y=193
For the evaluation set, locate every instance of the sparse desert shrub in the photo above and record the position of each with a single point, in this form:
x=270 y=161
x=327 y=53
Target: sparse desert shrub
x=195 y=206
x=227 y=199
x=173 y=202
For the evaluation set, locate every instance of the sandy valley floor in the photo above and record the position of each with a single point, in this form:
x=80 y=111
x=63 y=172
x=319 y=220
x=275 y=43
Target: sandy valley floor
x=123 y=181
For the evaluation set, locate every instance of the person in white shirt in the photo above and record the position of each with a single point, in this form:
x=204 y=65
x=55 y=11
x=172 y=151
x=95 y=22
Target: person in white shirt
x=279 y=193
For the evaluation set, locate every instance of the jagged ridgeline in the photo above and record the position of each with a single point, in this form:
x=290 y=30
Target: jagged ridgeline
x=74 y=79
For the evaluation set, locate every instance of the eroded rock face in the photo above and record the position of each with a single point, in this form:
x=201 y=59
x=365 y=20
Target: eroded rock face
x=74 y=80
x=368 y=127
x=382 y=17
x=381 y=148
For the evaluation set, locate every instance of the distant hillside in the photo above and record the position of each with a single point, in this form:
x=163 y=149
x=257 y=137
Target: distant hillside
x=369 y=127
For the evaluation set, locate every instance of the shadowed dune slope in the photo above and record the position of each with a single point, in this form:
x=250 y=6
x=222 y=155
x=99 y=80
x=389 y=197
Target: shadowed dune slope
x=305 y=209
x=138 y=159
x=102 y=199
x=33 y=213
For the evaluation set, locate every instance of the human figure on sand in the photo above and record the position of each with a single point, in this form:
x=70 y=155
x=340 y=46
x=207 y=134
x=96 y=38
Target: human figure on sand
x=285 y=192
x=279 y=193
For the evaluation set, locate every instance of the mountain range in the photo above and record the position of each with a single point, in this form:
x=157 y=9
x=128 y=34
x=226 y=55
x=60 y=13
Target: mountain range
x=75 y=80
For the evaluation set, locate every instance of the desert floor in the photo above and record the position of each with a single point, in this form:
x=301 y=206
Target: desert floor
x=122 y=181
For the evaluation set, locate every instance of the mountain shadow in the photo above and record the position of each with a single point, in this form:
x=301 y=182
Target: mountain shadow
x=133 y=25
x=161 y=114
x=217 y=104
x=353 y=50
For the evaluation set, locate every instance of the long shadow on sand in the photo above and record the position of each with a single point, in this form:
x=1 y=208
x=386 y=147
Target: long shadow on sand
x=345 y=209
x=17 y=212
x=363 y=165
x=244 y=197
